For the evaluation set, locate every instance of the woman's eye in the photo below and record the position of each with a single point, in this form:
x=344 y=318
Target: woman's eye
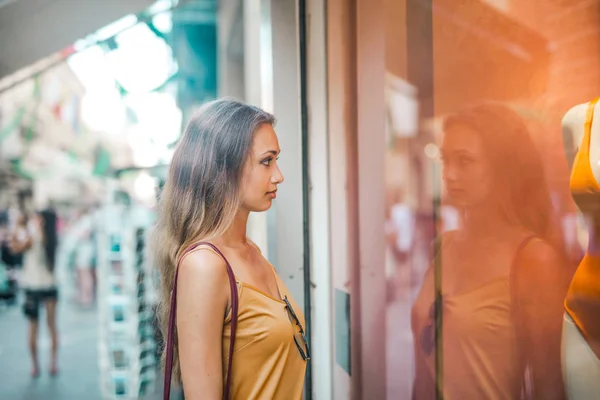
x=268 y=161
x=464 y=161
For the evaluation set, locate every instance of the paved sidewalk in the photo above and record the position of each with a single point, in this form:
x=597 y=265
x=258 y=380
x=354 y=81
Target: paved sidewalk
x=78 y=376
x=78 y=359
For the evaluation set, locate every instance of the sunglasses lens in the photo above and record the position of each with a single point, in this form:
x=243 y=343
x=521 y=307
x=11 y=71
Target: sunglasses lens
x=428 y=333
x=301 y=349
x=427 y=339
x=299 y=338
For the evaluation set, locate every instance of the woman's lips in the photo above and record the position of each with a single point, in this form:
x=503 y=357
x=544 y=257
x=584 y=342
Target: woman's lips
x=455 y=191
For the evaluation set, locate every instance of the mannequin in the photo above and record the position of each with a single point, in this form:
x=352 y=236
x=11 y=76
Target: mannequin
x=581 y=326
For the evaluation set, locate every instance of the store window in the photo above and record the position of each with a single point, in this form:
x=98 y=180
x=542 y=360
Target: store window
x=485 y=109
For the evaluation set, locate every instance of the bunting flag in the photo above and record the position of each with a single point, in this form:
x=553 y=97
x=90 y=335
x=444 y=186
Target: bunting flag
x=67 y=110
x=30 y=131
x=18 y=169
x=124 y=92
x=102 y=164
x=14 y=124
x=155 y=30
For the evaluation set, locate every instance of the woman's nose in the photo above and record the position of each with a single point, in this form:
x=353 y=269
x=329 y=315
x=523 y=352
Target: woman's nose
x=449 y=173
x=277 y=177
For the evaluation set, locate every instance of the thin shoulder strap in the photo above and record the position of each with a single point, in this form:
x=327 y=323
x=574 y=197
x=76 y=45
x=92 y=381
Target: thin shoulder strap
x=438 y=316
x=589 y=119
x=171 y=331
x=516 y=312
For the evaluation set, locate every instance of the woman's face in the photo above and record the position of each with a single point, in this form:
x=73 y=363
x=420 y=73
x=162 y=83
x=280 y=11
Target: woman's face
x=467 y=172
x=261 y=174
x=39 y=220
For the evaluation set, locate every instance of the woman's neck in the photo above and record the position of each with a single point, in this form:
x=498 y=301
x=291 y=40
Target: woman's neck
x=484 y=221
x=236 y=236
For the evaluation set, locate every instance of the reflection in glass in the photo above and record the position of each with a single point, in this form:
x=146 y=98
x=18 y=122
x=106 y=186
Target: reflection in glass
x=503 y=270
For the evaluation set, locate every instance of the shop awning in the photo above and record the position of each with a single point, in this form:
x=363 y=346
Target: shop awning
x=32 y=30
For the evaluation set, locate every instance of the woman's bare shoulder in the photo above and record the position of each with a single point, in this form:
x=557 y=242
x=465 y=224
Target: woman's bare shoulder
x=202 y=268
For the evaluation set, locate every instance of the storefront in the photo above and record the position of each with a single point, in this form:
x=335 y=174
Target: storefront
x=395 y=70
x=361 y=90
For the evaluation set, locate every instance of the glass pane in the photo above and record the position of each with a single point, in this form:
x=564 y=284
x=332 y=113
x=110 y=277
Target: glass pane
x=483 y=236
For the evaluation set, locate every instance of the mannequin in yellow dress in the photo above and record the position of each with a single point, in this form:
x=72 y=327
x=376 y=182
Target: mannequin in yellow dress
x=581 y=327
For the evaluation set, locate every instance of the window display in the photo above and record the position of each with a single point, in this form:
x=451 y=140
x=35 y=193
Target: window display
x=484 y=237
x=581 y=333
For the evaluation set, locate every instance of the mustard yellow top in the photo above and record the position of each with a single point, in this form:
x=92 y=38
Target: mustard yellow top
x=480 y=348
x=266 y=361
x=479 y=343
x=583 y=298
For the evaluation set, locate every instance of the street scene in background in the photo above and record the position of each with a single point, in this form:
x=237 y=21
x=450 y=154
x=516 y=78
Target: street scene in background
x=437 y=228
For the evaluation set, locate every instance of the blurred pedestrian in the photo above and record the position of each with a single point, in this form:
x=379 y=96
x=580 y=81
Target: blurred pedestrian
x=38 y=244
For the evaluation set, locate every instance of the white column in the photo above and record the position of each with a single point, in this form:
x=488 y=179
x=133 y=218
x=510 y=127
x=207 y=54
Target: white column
x=280 y=94
x=320 y=236
x=257 y=223
x=230 y=44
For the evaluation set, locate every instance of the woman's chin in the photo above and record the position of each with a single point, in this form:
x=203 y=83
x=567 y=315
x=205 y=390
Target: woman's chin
x=268 y=204
x=457 y=201
x=262 y=207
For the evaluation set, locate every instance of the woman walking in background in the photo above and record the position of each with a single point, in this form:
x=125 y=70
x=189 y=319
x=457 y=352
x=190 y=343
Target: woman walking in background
x=38 y=246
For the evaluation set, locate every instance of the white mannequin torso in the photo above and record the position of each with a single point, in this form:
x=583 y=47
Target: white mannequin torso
x=581 y=366
x=573 y=129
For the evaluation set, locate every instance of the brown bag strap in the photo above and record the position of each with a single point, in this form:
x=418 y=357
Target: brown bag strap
x=234 y=317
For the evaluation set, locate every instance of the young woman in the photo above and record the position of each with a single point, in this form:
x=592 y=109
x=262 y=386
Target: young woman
x=39 y=245
x=225 y=167
x=503 y=272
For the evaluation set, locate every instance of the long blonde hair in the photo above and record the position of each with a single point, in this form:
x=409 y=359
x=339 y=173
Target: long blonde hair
x=201 y=195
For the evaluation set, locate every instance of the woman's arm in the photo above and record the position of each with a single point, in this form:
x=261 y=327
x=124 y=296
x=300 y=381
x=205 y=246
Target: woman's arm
x=541 y=280
x=19 y=245
x=202 y=298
